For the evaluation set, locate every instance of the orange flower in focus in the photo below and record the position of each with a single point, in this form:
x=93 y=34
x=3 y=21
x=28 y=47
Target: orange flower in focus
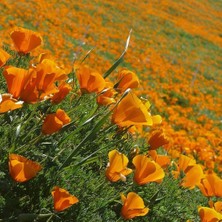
x=7 y=103
x=209 y=215
x=127 y=79
x=64 y=89
x=162 y=160
x=157 y=139
x=147 y=170
x=62 y=199
x=55 y=121
x=16 y=79
x=210 y=185
x=25 y=40
x=133 y=206
x=22 y=169
x=106 y=96
x=193 y=172
x=4 y=56
x=89 y=80
x=131 y=111
x=117 y=166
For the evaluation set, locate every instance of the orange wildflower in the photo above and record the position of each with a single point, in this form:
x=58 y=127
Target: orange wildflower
x=117 y=166
x=106 y=96
x=147 y=170
x=64 y=89
x=162 y=160
x=210 y=185
x=22 y=169
x=7 y=103
x=63 y=199
x=209 y=215
x=55 y=121
x=131 y=111
x=4 y=56
x=16 y=79
x=157 y=139
x=89 y=80
x=133 y=206
x=193 y=172
x=25 y=40
x=127 y=79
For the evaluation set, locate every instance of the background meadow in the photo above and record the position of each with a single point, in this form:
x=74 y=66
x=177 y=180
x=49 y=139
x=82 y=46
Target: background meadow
x=176 y=51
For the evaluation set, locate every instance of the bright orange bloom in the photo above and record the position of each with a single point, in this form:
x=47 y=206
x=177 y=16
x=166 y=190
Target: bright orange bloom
x=209 y=215
x=146 y=170
x=89 y=80
x=106 y=96
x=210 y=185
x=157 y=139
x=131 y=111
x=127 y=79
x=162 y=160
x=16 y=79
x=193 y=172
x=55 y=121
x=4 y=56
x=117 y=166
x=22 y=169
x=64 y=89
x=7 y=103
x=25 y=40
x=133 y=206
x=63 y=199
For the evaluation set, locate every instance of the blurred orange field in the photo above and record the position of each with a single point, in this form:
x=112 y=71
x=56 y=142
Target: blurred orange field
x=175 y=49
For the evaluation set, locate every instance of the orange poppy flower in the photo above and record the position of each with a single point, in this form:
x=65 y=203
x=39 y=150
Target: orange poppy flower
x=147 y=170
x=63 y=199
x=106 y=96
x=16 y=79
x=209 y=215
x=133 y=206
x=4 y=56
x=22 y=169
x=64 y=89
x=126 y=79
x=25 y=40
x=131 y=111
x=193 y=173
x=162 y=160
x=89 y=80
x=210 y=185
x=157 y=139
x=55 y=121
x=117 y=166
x=7 y=103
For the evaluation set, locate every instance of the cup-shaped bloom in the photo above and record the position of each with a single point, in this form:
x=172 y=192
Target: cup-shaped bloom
x=22 y=169
x=162 y=160
x=157 y=139
x=64 y=89
x=89 y=80
x=210 y=185
x=209 y=215
x=126 y=80
x=7 y=103
x=131 y=111
x=16 y=78
x=25 y=40
x=133 y=206
x=4 y=56
x=147 y=170
x=192 y=172
x=117 y=166
x=63 y=199
x=106 y=96
x=55 y=121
